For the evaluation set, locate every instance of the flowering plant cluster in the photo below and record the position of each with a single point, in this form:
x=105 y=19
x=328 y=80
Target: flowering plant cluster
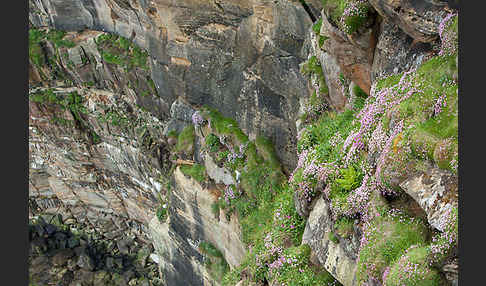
x=354 y=15
x=197 y=119
x=386 y=234
x=448 y=35
x=446 y=241
x=410 y=269
x=439 y=104
x=230 y=193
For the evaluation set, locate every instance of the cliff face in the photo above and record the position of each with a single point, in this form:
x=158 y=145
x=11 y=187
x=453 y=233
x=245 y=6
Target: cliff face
x=151 y=116
x=240 y=57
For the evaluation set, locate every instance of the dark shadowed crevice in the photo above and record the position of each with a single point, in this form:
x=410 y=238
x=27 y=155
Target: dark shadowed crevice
x=308 y=10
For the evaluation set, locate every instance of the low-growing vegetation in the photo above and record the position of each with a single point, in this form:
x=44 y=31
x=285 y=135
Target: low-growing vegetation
x=196 y=171
x=214 y=261
x=120 y=51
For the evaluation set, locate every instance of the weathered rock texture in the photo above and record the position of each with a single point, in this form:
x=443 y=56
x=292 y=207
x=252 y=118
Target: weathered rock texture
x=396 y=52
x=419 y=19
x=240 y=57
x=190 y=222
x=340 y=259
x=436 y=192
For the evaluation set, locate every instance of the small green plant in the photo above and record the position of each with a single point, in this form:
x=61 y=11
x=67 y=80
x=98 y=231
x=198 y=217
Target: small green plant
x=332 y=237
x=215 y=262
x=317 y=26
x=215 y=207
x=185 y=140
x=350 y=179
x=212 y=142
x=344 y=227
x=196 y=171
x=162 y=212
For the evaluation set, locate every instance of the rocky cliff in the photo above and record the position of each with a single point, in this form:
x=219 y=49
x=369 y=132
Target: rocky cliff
x=250 y=142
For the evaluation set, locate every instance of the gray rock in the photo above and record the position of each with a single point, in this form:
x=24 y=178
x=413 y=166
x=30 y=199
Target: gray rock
x=219 y=175
x=86 y=262
x=62 y=256
x=124 y=245
x=72 y=242
x=332 y=256
x=101 y=277
x=419 y=19
x=436 y=191
x=181 y=111
x=396 y=52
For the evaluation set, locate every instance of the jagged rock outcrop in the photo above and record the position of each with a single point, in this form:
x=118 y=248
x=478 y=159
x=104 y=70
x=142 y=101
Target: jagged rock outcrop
x=337 y=258
x=396 y=52
x=436 y=192
x=240 y=57
x=353 y=53
x=190 y=222
x=419 y=19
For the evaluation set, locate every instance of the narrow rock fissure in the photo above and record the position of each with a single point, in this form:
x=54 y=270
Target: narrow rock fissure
x=308 y=10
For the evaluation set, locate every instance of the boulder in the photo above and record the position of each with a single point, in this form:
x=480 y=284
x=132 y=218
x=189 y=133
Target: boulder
x=62 y=256
x=334 y=257
x=436 y=191
x=419 y=19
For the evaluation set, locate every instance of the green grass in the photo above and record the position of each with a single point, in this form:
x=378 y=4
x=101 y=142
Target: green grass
x=215 y=262
x=120 y=51
x=196 y=171
x=344 y=227
x=224 y=126
x=185 y=140
x=317 y=26
x=422 y=275
x=388 y=238
x=433 y=78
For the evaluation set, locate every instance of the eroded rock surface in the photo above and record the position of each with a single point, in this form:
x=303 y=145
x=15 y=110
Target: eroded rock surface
x=190 y=222
x=340 y=259
x=436 y=192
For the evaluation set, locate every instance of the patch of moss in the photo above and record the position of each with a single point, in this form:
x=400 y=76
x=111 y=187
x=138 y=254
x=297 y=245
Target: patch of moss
x=344 y=227
x=332 y=237
x=196 y=171
x=120 y=51
x=224 y=126
x=185 y=140
x=214 y=261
